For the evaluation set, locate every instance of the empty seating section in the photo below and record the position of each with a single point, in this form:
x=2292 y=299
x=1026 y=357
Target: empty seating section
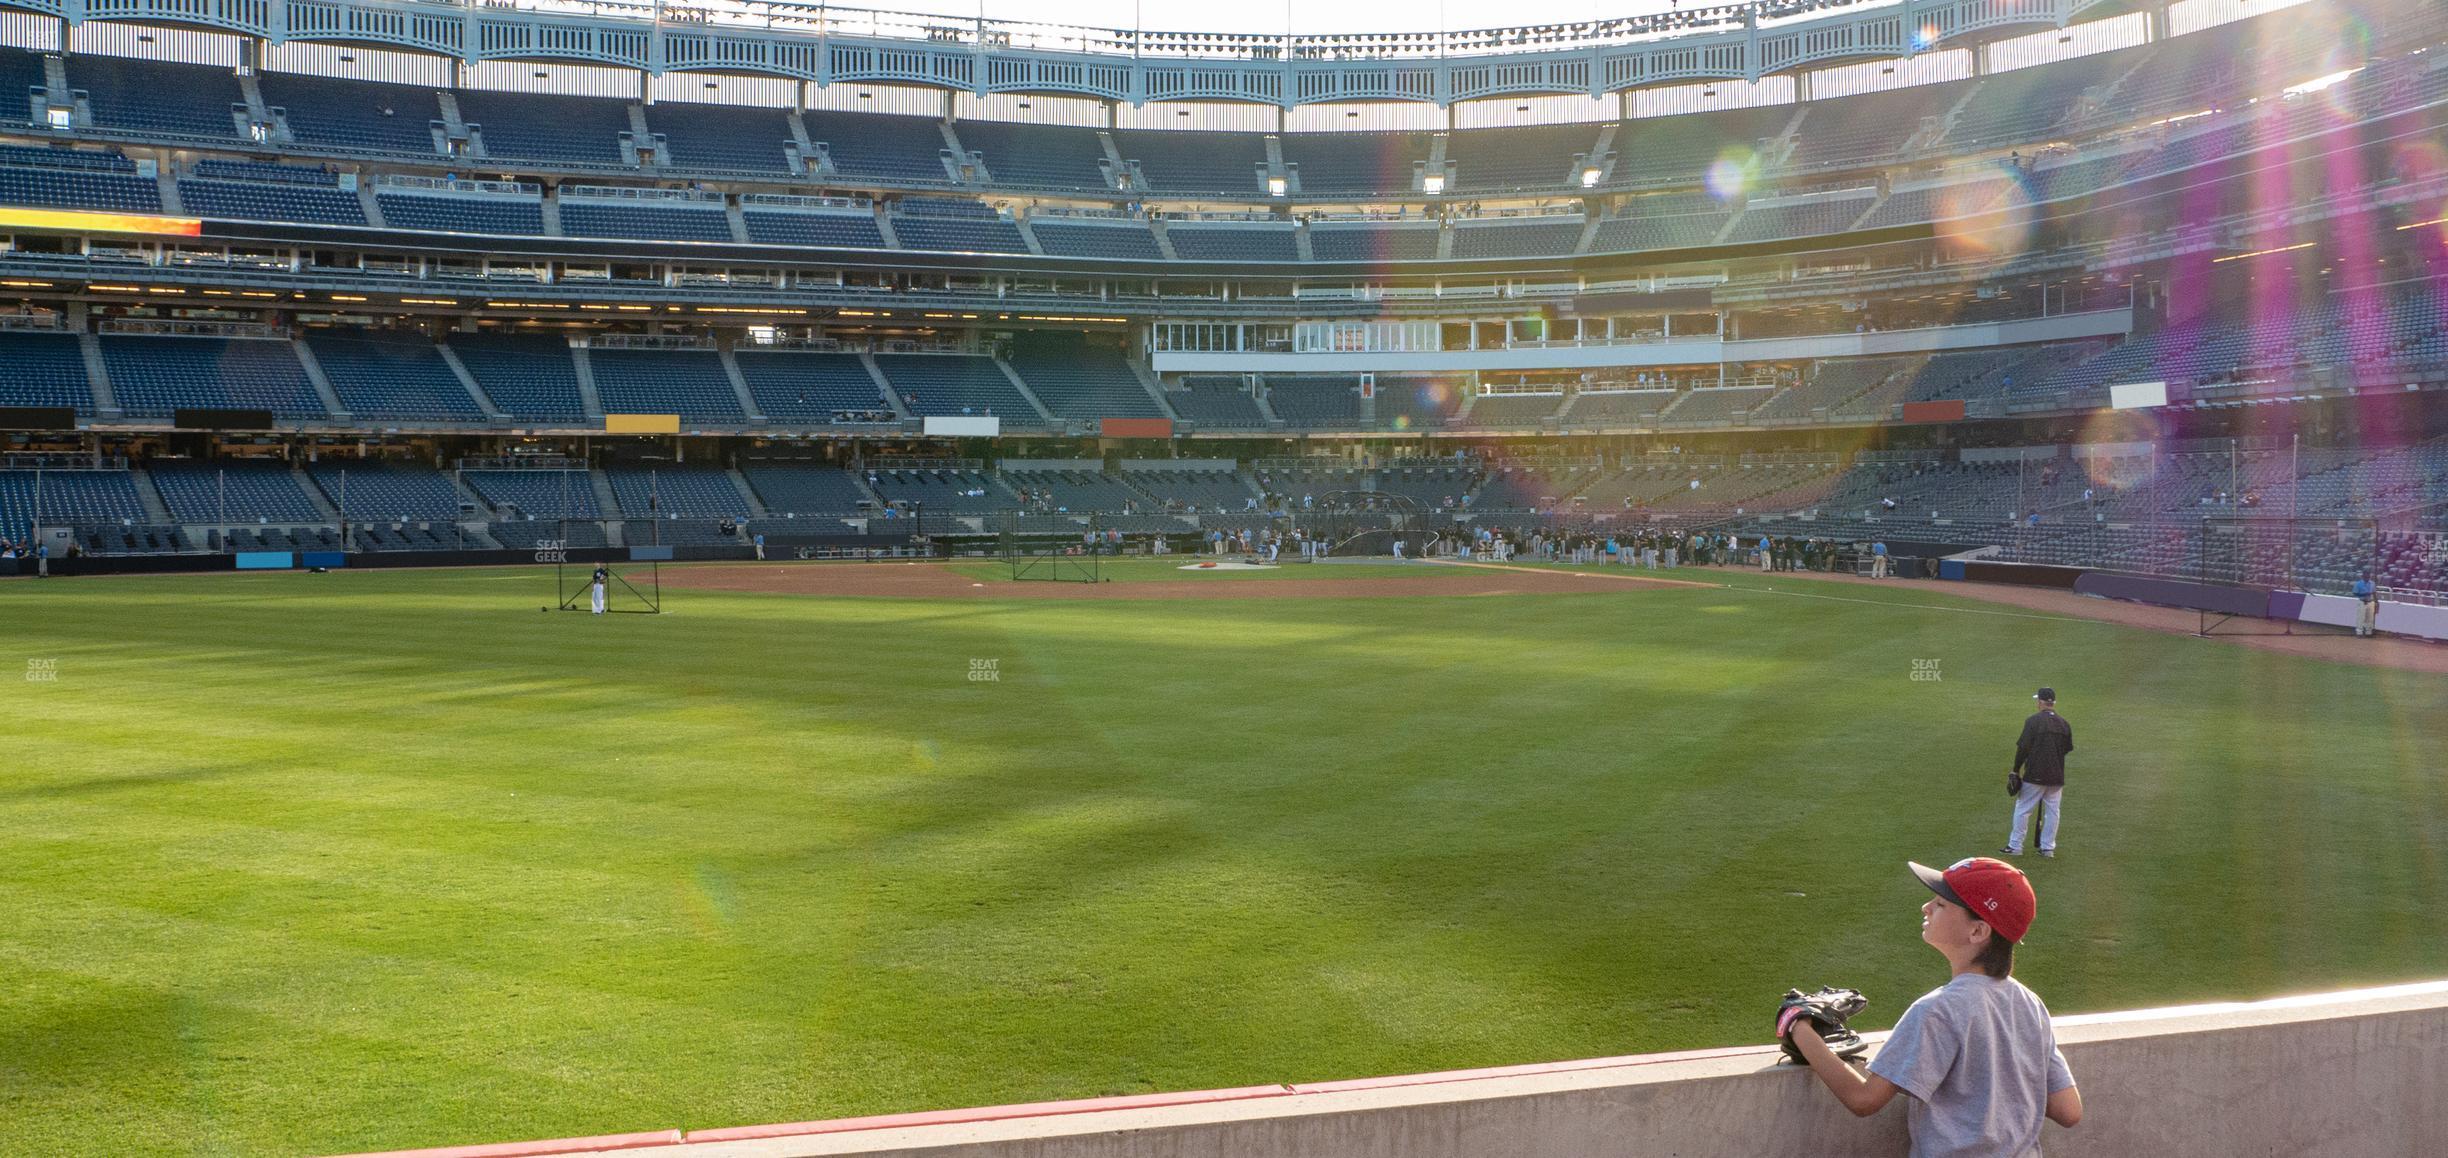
x=44 y=370
x=58 y=498
x=1678 y=148
x=562 y=130
x=1619 y=407
x=393 y=377
x=525 y=534
x=1037 y=156
x=1938 y=202
x=660 y=492
x=21 y=72
x=1716 y=404
x=1668 y=231
x=1191 y=490
x=1516 y=488
x=1416 y=403
x=410 y=535
x=1519 y=158
x=1234 y=243
x=78 y=188
x=657 y=220
x=232 y=492
x=158 y=98
x=1798 y=219
x=528 y=376
x=943 y=384
x=947 y=491
x=1315 y=402
x=689 y=383
x=462 y=212
x=846 y=230
x=884 y=147
x=677 y=532
x=1431 y=487
x=1869 y=126
x=1536 y=238
x=388 y=492
x=536 y=494
x=132 y=540
x=273 y=539
x=1835 y=381
x=962 y=234
x=1122 y=241
x=357 y=116
x=1086 y=384
x=804 y=488
x=1195 y=162
x=153 y=376
x=722 y=138
x=2022 y=105
x=811 y=387
x=1513 y=409
x=1222 y=403
x=270 y=201
x=1960 y=374
x=1071 y=491
x=1371 y=242
x=1357 y=163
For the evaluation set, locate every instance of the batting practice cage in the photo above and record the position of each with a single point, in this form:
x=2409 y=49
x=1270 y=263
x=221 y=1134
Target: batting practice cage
x=2315 y=556
x=632 y=587
x=1053 y=548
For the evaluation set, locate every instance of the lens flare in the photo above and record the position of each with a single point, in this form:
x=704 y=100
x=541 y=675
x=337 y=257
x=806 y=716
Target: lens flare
x=1730 y=174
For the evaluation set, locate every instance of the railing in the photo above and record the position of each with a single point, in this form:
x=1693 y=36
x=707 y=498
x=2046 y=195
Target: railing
x=454 y=185
x=22 y=460
x=634 y=193
x=795 y=201
x=33 y=322
x=521 y=462
x=160 y=326
x=647 y=342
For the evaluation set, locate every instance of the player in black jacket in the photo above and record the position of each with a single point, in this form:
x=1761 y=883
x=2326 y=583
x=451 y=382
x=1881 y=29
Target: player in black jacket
x=2040 y=760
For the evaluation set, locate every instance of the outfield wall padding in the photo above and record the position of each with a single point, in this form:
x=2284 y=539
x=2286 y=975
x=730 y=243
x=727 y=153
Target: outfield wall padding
x=2252 y=601
x=2348 y=1075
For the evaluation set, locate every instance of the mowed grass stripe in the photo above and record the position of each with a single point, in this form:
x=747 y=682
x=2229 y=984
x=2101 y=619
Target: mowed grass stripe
x=317 y=863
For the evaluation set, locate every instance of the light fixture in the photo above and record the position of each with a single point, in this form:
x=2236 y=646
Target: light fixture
x=1589 y=177
x=1277 y=186
x=1432 y=184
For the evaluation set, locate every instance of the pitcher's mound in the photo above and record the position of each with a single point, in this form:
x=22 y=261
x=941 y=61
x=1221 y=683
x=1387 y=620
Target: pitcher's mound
x=1227 y=565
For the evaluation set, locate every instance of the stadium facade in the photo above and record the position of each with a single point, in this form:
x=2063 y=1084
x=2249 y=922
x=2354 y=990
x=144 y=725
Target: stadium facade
x=405 y=277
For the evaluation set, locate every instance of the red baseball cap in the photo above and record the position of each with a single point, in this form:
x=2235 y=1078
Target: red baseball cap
x=1995 y=891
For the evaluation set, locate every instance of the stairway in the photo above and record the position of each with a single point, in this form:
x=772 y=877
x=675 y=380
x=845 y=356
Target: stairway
x=586 y=382
x=322 y=384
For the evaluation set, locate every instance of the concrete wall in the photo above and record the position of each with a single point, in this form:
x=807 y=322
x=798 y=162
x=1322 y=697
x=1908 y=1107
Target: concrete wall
x=2359 y=1075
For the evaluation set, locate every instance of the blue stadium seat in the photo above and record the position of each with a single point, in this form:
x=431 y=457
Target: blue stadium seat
x=158 y=98
x=843 y=230
x=79 y=189
x=385 y=491
x=73 y=498
x=540 y=495
x=953 y=384
x=1370 y=242
x=353 y=115
x=660 y=492
x=1119 y=241
x=39 y=369
x=1195 y=162
x=155 y=375
x=1086 y=384
x=689 y=383
x=269 y=201
x=804 y=488
x=566 y=130
x=809 y=387
x=1233 y=242
x=652 y=220
x=963 y=234
x=232 y=492
x=462 y=212
x=383 y=377
x=1037 y=156
x=722 y=138
x=891 y=148
x=1355 y=162
x=529 y=377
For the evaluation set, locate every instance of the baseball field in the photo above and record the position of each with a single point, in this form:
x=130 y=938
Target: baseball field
x=299 y=864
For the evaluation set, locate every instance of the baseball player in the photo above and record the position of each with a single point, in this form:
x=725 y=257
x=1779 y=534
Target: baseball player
x=1977 y=1055
x=595 y=588
x=2040 y=760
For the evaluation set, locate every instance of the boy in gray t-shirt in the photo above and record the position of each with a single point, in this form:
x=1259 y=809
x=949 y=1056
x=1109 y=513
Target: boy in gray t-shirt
x=1977 y=1055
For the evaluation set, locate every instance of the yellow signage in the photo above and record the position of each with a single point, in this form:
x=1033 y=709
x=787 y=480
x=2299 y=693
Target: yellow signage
x=641 y=424
x=79 y=221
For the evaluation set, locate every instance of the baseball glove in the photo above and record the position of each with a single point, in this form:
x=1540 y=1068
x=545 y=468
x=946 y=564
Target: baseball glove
x=1827 y=1011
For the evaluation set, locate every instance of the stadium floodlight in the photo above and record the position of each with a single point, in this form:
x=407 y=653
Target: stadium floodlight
x=1589 y=177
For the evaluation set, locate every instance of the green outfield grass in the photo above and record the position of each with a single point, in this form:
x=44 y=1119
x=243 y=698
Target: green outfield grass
x=298 y=864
